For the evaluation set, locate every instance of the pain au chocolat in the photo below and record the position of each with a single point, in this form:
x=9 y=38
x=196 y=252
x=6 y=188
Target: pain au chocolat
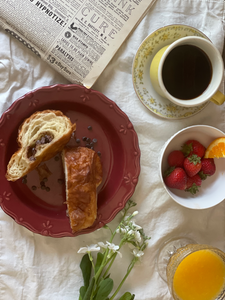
x=83 y=174
x=40 y=137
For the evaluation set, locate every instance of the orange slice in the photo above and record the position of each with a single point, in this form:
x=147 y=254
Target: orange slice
x=216 y=149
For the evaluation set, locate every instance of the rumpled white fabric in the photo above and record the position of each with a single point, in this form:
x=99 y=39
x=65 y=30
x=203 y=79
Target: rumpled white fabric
x=37 y=267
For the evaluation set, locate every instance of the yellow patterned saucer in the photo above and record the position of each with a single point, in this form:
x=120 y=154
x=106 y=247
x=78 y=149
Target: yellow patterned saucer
x=140 y=72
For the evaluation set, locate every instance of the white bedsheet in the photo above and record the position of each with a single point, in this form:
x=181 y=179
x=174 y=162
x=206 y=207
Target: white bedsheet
x=37 y=267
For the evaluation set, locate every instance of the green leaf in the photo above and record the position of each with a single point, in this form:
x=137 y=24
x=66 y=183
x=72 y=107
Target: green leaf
x=89 y=290
x=195 y=159
x=105 y=289
x=127 y=296
x=186 y=149
x=98 y=261
x=193 y=189
x=168 y=171
x=83 y=290
x=85 y=266
x=202 y=175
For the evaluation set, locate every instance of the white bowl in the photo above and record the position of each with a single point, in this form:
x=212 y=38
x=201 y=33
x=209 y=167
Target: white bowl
x=212 y=190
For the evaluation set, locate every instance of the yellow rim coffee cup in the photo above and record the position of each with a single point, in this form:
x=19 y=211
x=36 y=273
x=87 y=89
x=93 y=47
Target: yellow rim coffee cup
x=211 y=92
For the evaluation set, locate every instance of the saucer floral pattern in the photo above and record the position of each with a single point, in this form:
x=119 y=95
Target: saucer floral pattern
x=141 y=78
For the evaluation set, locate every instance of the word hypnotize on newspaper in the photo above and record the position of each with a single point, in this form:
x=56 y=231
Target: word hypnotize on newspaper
x=77 y=38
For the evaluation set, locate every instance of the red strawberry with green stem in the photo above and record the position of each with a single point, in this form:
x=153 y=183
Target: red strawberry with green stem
x=175 y=178
x=192 y=165
x=193 y=183
x=193 y=147
x=208 y=168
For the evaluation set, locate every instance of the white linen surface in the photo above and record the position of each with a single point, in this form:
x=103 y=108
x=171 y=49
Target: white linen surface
x=37 y=267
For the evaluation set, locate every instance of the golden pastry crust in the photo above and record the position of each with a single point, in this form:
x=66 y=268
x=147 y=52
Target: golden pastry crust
x=83 y=173
x=40 y=137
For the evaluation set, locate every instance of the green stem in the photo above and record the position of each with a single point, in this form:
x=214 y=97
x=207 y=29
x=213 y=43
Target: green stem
x=105 y=262
x=124 y=278
x=91 y=260
x=89 y=293
x=113 y=258
x=98 y=274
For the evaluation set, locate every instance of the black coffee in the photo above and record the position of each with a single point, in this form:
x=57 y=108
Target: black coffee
x=187 y=72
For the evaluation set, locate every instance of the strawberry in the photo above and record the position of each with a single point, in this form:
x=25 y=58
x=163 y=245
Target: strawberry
x=193 y=183
x=193 y=147
x=208 y=168
x=176 y=178
x=192 y=165
x=176 y=158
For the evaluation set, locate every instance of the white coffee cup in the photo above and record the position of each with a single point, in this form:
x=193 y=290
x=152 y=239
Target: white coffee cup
x=217 y=68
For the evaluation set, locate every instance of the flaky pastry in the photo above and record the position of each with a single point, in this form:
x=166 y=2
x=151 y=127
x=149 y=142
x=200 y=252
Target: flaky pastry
x=83 y=174
x=40 y=137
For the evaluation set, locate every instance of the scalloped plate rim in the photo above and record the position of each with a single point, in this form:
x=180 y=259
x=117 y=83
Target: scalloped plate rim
x=123 y=201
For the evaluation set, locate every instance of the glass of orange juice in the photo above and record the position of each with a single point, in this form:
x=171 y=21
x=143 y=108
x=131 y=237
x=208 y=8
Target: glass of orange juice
x=192 y=271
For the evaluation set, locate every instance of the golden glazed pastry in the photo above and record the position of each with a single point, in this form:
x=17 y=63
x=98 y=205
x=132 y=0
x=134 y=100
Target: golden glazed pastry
x=40 y=137
x=83 y=174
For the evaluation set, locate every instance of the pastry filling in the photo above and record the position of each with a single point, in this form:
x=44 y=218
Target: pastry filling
x=44 y=139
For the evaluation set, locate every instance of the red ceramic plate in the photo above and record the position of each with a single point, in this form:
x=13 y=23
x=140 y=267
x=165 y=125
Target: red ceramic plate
x=44 y=212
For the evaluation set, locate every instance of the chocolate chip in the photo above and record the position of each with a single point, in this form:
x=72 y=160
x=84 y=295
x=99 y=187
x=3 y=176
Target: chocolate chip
x=38 y=142
x=43 y=140
x=89 y=127
x=42 y=183
x=33 y=151
x=99 y=153
x=48 y=138
x=88 y=140
x=43 y=187
x=34 y=187
x=84 y=138
x=47 y=189
x=78 y=141
x=94 y=141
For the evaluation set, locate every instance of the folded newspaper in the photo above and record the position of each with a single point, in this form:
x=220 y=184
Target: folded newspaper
x=77 y=38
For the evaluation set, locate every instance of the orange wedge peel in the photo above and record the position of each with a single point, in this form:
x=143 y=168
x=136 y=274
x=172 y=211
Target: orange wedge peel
x=216 y=149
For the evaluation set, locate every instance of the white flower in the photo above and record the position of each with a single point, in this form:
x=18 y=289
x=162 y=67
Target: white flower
x=135 y=213
x=138 y=253
x=93 y=247
x=130 y=232
x=121 y=230
x=109 y=245
x=137 y=236
x=137 y=227
x=101 y=244
x=112 y=246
